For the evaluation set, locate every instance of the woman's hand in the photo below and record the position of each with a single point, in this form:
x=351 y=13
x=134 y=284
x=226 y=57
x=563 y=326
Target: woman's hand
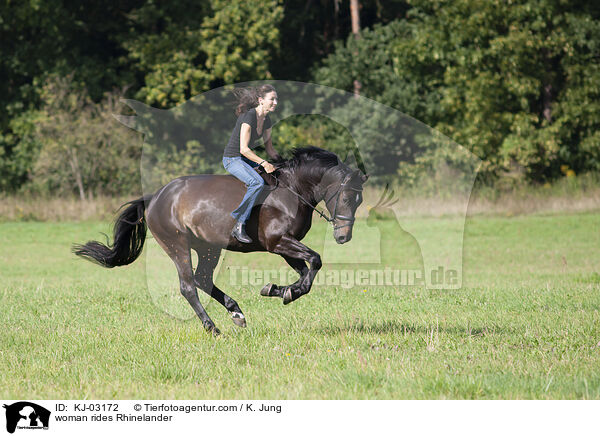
x=268 y=167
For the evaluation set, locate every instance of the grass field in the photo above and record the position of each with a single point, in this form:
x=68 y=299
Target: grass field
x=526 y=324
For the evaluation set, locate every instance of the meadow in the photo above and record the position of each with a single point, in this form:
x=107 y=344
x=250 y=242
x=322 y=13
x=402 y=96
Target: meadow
x=524 y=325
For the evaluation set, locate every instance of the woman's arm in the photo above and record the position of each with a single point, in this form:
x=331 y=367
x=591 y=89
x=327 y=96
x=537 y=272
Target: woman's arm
x=249 y=154
x=244 y=141
x=269 y=146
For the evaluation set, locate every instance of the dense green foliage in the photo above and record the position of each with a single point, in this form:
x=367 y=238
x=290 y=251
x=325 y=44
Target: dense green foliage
x=517 y=83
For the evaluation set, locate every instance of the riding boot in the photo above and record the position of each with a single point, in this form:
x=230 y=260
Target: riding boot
x=239 y=233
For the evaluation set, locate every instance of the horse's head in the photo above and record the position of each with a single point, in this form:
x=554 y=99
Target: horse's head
x=319 y=174
x=342 y=198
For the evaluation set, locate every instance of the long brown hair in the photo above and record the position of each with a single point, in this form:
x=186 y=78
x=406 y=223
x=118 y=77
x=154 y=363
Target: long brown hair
x=247 y=98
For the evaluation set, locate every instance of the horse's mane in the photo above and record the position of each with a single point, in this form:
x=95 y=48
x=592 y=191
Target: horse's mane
x=311 y=156
x=310 y=163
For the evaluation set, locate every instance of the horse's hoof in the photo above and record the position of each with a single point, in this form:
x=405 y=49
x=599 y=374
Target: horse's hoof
x=288 y=297
x=238 y=319
x=266 y=290
x=213 y=329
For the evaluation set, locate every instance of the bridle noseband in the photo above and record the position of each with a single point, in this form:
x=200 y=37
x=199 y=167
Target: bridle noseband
x=335 y=216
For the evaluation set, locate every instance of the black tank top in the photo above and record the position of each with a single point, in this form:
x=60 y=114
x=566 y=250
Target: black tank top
x=249 y=117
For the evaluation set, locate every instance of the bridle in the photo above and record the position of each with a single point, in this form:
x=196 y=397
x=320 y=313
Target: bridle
x=336 y=194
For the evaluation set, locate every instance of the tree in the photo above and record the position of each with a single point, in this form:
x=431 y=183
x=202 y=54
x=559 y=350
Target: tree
x=516 y=83
x=202 y=45
x=82 y=148
x=355 y=14
x=510 y=72
x=53 y=37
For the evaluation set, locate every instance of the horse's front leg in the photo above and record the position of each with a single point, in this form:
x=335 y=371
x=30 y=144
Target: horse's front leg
x=272 y=290
x=296 y=254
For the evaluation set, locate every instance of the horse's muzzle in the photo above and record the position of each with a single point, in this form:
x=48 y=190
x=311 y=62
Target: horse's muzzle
x=343 y=237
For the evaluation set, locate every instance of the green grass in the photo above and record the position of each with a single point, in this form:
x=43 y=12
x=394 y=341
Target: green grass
x=526 y=324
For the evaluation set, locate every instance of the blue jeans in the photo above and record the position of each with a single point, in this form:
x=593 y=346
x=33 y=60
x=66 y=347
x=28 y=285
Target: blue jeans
x=243 y=169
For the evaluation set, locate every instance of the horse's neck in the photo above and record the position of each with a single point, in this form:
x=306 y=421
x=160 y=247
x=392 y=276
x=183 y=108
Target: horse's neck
x=305 y=186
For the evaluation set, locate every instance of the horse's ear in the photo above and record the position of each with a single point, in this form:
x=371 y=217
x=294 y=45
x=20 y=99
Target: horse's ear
x=350 y=160
x=354 y=158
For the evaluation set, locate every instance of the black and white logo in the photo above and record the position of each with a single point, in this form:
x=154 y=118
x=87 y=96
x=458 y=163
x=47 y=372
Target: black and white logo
x=26 y=415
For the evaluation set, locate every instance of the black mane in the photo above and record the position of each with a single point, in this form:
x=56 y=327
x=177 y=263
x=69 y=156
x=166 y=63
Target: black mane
x=311 y=155
x=304 y=171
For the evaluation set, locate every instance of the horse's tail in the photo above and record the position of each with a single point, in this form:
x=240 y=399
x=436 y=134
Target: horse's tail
x=129 y=235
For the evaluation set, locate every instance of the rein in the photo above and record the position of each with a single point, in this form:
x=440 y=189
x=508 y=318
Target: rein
x=335 y=216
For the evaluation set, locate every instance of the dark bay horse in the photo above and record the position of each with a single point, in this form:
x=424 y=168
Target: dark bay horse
x=193 y=212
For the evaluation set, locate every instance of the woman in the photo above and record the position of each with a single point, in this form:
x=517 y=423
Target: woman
x=253 y=123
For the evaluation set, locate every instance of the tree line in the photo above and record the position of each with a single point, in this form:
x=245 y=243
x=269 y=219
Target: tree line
x=517 y=83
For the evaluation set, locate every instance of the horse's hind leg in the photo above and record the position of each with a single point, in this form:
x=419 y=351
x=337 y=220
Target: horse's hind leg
x=208 y=257
x=179 y=251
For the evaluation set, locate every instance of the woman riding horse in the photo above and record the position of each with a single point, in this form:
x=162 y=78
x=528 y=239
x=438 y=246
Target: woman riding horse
x=194 y=213
x=239 y=160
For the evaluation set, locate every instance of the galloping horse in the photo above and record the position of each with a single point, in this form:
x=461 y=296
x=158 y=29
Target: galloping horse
x=193 y=212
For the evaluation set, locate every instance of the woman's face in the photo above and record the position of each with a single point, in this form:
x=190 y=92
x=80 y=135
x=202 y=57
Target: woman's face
x=269 y=101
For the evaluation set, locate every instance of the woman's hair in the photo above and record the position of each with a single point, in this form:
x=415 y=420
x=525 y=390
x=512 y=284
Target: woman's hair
x=247 y=98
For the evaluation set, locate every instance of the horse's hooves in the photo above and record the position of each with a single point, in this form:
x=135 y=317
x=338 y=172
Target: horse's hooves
x=266 y=290
x=288 y=297
x=213 y=329
x=238 y=319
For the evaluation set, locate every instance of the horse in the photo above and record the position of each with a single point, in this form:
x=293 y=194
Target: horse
x=194 y=213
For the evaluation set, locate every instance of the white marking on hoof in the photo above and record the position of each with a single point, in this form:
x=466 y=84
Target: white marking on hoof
x=238 y=319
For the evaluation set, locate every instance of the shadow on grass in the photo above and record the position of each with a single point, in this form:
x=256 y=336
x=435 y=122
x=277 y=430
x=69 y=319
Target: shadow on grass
x=398 y=327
